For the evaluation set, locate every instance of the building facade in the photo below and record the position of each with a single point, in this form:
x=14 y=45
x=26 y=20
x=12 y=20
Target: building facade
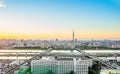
x=61 y=66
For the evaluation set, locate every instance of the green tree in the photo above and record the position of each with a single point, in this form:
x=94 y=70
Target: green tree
x=95 y=68
x=50 y=72
x=72 y=72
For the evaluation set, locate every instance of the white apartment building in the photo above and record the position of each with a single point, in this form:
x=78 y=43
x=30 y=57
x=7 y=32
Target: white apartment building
x=60 y=66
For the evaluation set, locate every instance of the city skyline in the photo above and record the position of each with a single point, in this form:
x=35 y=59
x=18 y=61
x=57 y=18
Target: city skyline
x=51 y=19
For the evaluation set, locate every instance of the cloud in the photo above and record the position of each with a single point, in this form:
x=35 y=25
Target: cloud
x=2 y=4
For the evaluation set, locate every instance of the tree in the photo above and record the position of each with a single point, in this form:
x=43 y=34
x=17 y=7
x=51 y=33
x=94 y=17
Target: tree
x=50 y=72
x=72 y=72
x=95 y=68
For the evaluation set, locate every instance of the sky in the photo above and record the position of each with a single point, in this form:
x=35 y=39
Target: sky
x=51 y=19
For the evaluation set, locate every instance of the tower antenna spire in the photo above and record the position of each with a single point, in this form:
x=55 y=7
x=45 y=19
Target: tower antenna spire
x=73 y=40
x=73 y=36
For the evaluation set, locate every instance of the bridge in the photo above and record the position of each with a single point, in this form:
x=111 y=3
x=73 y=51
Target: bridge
x=53 y=53
x=27 y=54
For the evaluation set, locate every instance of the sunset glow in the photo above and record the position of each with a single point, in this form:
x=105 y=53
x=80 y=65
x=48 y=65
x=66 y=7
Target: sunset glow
x=51 y=19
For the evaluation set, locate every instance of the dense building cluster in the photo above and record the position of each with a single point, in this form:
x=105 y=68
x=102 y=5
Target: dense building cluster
x=12 y=43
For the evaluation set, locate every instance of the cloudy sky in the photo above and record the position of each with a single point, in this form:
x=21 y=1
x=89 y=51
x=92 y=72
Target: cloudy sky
x=50 y=19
